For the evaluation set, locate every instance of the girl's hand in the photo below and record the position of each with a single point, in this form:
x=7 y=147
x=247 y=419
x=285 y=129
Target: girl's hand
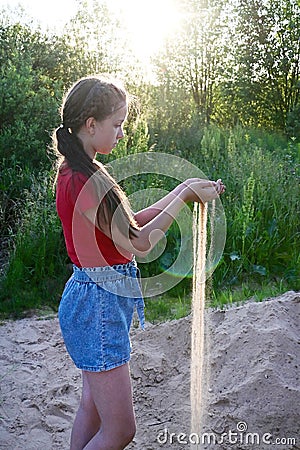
x=199 y=190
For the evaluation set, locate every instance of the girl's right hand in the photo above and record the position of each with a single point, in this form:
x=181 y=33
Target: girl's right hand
x=200 y=190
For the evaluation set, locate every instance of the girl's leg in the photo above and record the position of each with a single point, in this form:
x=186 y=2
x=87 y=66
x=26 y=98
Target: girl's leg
x=112 y=395
x=87 y=421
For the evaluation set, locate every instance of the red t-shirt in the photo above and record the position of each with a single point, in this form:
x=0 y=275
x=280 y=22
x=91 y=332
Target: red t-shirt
x=87 y=246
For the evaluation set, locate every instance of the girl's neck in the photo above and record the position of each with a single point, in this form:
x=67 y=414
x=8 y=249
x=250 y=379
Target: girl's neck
x=64 y=164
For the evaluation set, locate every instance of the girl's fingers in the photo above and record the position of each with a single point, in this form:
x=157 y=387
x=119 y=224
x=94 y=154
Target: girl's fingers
x=205 y=190
x=220 y=186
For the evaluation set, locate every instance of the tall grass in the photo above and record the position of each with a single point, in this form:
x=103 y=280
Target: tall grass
x=261 y=256
x=261 y=173
x=37 y=267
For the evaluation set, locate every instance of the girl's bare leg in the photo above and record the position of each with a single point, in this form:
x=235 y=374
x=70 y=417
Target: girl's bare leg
x=87 y=421
x=112 y=396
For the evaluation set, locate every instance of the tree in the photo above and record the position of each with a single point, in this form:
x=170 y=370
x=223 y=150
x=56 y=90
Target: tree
x=264 y=84
x=28 y=95
x=101 y=35
x=191 y=62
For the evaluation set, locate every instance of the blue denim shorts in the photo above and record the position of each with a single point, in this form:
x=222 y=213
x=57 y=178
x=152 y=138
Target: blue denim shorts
x=95 y=315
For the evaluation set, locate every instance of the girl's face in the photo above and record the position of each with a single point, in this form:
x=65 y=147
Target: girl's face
x=109 y=131
x=102 y=136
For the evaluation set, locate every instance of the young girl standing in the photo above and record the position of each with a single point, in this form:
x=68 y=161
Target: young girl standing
x=102 y=236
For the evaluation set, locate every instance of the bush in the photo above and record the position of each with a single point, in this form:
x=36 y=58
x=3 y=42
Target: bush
x=261 y=173
x=37 y=268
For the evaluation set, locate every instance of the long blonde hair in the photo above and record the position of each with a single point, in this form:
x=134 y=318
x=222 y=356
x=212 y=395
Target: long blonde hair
x=98 y=98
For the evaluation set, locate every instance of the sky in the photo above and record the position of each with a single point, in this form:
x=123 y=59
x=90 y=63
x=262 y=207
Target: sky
x=53 y=13
x=149 y=22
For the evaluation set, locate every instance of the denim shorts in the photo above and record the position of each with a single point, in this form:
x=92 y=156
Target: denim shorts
x=95 y=315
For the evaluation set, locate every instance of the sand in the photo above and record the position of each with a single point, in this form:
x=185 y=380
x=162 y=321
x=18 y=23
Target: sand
x=252 y=381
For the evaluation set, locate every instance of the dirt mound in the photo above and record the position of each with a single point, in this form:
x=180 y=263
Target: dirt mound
x=252 y=381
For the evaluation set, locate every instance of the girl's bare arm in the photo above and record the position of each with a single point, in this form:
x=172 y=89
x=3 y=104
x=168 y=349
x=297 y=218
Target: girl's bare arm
x=146 y=215
x=159 y=216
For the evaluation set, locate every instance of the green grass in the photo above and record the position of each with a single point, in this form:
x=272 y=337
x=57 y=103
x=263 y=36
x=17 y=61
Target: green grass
x=244 y=292
x=165 y=307
x=261 y=203
x=37 y=268
x=169 y=307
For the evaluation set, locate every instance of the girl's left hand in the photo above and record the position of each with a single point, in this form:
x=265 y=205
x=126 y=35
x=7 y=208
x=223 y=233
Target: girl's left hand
x=220 y=187
x=197 y=189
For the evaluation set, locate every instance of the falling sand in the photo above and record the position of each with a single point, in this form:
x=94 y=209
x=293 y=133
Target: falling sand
x=198 y=304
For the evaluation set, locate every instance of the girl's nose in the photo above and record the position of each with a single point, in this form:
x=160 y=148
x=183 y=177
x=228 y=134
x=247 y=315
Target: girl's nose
x=120 y=134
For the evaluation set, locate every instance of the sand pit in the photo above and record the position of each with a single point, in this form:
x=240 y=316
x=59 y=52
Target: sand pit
x=252 y=381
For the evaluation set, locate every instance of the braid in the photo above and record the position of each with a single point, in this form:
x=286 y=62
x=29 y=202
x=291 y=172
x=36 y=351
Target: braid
x=70 y=146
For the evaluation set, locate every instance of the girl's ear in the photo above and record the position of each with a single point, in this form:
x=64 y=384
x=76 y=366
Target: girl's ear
x=90 y=124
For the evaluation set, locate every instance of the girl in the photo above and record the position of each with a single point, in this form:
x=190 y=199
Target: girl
x=102 y=236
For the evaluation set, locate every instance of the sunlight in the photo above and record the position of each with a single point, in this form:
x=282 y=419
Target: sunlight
x=148 y=23
x=52 y=14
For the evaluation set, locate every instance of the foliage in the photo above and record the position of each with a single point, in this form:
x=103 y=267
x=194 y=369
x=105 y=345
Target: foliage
x=13 y=181
x=167 y=307
x=246 y=291
x=101 y=37
x=37 y=268
x=262 y=84
x=237 y=62
x=191 y=62
x=261 y=203
x=35 y=69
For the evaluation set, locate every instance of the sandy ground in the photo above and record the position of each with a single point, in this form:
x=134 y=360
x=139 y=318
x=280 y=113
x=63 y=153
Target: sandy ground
x=252 y=381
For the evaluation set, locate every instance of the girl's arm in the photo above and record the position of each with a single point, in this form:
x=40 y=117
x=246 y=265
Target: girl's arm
x=146 y=215
x=163 y=214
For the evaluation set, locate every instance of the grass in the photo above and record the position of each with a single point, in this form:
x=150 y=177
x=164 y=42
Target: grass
x=246 y=291
x=37 y=268
x=169 y=307
x=261 y=256
x=165 y=307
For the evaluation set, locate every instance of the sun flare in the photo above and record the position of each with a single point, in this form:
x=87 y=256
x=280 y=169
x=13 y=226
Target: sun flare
x=149 y=23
